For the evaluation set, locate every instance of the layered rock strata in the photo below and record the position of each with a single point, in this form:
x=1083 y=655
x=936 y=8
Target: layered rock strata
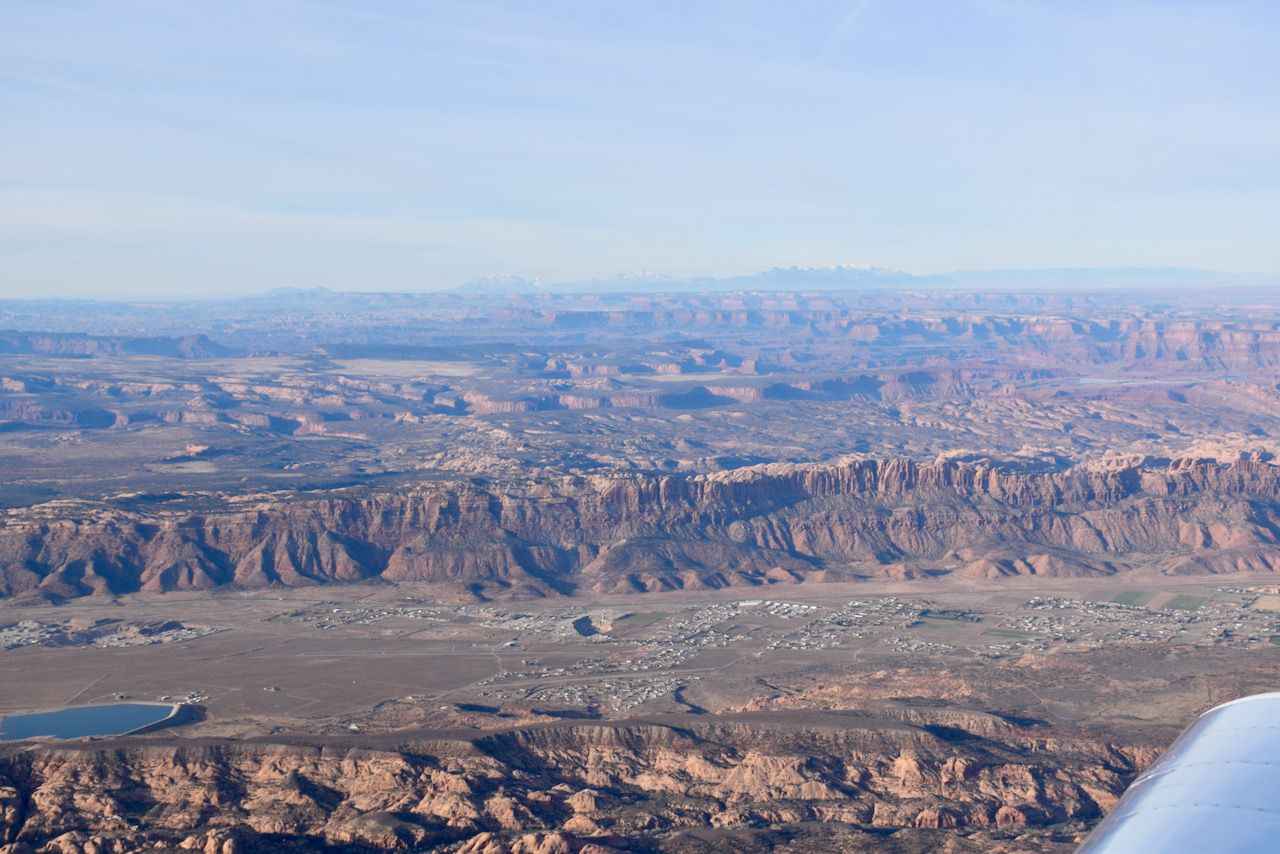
x=755 y=525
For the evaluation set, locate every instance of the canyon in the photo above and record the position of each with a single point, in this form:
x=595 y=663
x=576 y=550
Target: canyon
x=899 y=570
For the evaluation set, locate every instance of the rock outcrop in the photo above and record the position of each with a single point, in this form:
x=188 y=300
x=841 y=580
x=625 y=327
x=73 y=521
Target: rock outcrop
x=556 y=788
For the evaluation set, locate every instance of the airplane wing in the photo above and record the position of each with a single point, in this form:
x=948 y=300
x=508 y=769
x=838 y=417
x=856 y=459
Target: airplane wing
x=1216 y=790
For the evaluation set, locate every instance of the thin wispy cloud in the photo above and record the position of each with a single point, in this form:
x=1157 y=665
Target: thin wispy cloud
x=842 y=30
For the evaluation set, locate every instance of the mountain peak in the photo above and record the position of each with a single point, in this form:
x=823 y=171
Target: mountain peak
x=500 y=283
x=776 y=278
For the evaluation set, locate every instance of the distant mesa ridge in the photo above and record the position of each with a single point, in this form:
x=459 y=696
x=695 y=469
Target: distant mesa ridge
x=777 y=523
x=81 y=344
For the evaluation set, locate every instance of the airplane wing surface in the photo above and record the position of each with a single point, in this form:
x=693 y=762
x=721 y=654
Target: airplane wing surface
x=1216 y=790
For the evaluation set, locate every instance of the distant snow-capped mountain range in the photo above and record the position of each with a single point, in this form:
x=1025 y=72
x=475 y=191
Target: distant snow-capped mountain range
x=776 y=279
x=866 y=277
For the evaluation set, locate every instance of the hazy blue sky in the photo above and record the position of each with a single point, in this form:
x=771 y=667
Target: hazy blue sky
x=166 y=147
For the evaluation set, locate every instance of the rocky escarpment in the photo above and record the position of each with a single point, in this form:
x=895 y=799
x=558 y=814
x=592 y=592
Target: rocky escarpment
x=82 y=345
x=1082 y=339
x=752 y=525
x=608 y=785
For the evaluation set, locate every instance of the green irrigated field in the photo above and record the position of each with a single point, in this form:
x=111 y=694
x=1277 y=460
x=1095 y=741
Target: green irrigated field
x=1010 y=633
x=1132 y=597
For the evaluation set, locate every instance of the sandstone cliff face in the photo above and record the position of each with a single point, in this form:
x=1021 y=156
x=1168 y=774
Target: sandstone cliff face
x=600 y=782
x=752 y=525
x=1170 y=343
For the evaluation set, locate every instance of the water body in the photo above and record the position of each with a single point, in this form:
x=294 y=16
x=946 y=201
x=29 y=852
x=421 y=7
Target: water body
x=109 y=719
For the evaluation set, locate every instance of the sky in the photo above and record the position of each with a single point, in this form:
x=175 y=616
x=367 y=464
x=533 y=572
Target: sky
x=151 y=147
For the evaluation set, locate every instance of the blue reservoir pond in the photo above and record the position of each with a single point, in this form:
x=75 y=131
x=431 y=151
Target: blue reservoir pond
x=107 y=719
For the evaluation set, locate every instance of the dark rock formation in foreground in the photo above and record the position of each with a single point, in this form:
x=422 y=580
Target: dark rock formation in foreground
x=624 y=786
x=776 y=523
